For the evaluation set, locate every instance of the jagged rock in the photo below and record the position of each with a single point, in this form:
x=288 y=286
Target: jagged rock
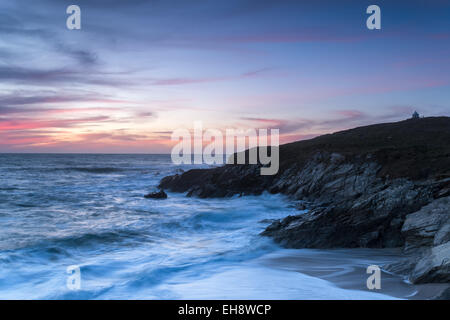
x=156 y=195
x=220 y=182
x=421 y=227
x=302 y=205
x=360 y=186
x=405 y=265
x=265 y=221
x=428 y=227
x=336 y=158
x=443 y=235
x=372 y=218
x=434 y=266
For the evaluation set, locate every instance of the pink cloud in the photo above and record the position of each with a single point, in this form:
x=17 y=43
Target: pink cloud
x=350 y=114
x=21 y=124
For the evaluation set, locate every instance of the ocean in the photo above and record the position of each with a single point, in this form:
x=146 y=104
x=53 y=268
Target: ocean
x=89 y=211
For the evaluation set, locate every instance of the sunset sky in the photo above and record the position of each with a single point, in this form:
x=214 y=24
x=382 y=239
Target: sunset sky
x=137 y=70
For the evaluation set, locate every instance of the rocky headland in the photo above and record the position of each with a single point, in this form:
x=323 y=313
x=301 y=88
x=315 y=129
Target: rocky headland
x=379 y=186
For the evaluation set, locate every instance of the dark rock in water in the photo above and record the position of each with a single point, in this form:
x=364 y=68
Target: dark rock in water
x=225 y=181
x=156 y=195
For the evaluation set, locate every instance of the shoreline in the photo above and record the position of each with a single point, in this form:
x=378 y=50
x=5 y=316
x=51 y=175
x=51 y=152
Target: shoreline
x=367 y=187
x=346 y=269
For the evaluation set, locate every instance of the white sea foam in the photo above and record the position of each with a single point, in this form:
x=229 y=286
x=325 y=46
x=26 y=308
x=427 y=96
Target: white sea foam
x=130 y=247
x=255 y=282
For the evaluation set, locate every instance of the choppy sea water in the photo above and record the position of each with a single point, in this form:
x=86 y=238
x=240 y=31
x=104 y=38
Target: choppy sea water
x=88 y=210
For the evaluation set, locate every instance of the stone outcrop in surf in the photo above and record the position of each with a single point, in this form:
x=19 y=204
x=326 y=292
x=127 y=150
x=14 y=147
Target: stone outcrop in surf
x=384 y=185
x=156 y=195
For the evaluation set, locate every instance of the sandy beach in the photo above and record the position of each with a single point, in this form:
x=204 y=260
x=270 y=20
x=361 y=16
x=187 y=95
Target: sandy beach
x=346 y=268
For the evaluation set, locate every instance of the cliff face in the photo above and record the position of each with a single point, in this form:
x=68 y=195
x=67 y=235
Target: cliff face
x=350 y=206
x=365 y=187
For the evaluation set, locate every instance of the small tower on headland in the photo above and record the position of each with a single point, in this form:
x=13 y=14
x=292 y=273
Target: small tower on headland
x=415 y=115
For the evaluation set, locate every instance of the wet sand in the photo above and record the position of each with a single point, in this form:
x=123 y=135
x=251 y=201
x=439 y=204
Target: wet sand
x=346 y=268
